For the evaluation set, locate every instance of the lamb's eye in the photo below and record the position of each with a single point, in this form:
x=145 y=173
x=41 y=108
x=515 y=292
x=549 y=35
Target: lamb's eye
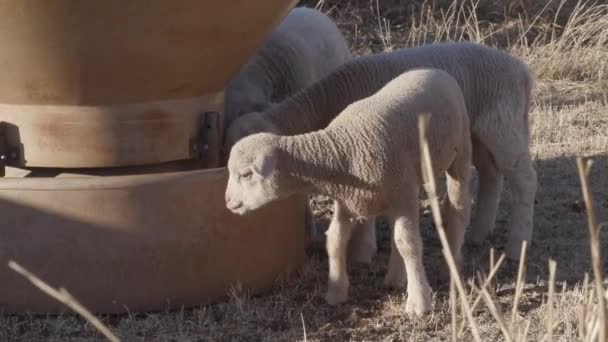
x=247 y=174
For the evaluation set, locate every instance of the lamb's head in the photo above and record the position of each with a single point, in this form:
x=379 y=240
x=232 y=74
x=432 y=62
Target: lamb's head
x=247 y=124
x=253 y=176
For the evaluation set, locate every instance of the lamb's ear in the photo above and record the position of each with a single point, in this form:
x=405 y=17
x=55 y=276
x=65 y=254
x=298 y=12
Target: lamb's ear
x=265 y=162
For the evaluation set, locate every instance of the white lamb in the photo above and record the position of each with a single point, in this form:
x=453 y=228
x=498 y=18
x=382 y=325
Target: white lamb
x=497 y=89
x=306 y=46
x=368 y=160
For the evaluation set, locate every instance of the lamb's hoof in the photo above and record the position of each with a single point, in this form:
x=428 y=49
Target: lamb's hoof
x=395 y=279
x=336 y=296
x=418 y=305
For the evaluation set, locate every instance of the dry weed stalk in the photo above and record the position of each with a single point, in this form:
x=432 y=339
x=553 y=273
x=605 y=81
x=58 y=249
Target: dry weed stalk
x=519 y=286
x=454 y=310
x=498 y=316
x=550 y=300
x=486 y=284
x=303 y=327
x=385 y=30
x=431 y=189
x=524 y=334
x=598 y=324
x=66 y=298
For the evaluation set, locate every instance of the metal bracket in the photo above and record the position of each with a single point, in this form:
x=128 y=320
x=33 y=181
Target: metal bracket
x=9 y=155
x=206 y=145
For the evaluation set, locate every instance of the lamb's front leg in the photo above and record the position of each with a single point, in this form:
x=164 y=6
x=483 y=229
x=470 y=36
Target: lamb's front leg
x=409 y=243
x=338 y=236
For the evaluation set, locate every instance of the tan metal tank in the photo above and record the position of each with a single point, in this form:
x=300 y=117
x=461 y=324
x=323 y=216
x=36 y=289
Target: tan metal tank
x=94 y=83
x=108 y=111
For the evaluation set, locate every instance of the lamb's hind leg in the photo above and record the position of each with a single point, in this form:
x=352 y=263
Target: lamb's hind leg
x=523 y=182
x=488 y=193
x=458 y=211
x=510 y=148
x=338 y=236
x=409 y=244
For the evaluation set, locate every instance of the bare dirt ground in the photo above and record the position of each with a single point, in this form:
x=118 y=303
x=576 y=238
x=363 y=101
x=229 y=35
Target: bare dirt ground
x=566 y=45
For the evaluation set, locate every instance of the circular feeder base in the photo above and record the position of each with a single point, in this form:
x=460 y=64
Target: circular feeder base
x=142 y=242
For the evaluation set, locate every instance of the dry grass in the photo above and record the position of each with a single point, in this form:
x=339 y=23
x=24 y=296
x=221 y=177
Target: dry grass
x=566 y=44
